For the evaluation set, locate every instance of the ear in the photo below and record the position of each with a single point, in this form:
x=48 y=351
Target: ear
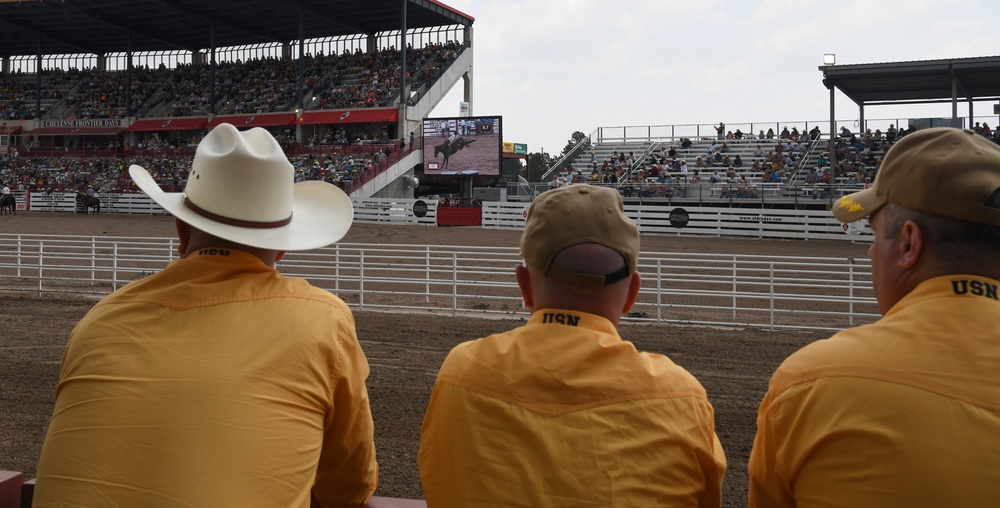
x=524 y=282
x=280 y=255
x=184 y=235
x=911 y=245
x=634 y=285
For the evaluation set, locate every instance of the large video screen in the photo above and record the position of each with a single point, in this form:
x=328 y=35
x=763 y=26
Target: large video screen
x=462 y=146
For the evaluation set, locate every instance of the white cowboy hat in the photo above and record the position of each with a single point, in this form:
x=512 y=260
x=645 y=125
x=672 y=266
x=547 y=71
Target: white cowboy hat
x=241 y=188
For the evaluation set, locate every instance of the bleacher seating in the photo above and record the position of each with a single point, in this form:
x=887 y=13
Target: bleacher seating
x=643 y=162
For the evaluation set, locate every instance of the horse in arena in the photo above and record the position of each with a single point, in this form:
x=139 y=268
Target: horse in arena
x=450 y=148
x=7 y=204
x=84 y=203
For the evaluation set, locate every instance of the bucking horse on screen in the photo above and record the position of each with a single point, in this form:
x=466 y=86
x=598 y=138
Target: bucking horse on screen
x=450 y=148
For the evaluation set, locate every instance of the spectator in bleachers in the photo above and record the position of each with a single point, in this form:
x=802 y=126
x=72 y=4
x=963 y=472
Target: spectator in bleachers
x=654 y=170
x=724 y=189
x=890 y=134
x=721 y=131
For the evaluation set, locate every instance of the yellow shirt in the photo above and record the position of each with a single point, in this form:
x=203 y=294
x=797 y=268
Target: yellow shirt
x=904 y=412
x=216 y=382
x=562 y=412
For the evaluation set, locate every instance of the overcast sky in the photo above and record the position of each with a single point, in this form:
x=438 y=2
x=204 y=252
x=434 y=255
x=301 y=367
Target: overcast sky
x=551 y=67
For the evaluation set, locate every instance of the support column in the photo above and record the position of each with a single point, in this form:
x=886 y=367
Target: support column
x=404 y=98
x=404 y=93
x=128 y=74
x=954 y=98
x=301 y=80
x=467 y=76
x=38 y=81
x=833 y=126
x=211 y=93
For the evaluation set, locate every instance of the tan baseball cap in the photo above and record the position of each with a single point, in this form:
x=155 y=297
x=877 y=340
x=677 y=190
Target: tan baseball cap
x=941 y=171
x=576 y=214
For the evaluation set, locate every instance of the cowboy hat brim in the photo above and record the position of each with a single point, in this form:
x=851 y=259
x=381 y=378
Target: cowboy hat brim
x=321 y=215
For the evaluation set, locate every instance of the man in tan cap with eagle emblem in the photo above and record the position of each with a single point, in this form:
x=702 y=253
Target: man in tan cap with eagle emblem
x=217 y=381
x=905 y=411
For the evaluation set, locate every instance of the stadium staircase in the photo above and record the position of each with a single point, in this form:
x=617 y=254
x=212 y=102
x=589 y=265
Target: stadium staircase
x=396 y=180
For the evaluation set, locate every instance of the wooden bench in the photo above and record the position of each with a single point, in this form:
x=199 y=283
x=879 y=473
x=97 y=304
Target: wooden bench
x=10 y=489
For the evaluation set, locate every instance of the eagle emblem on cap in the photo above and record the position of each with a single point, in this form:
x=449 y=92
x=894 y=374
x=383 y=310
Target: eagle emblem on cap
x=850 y=205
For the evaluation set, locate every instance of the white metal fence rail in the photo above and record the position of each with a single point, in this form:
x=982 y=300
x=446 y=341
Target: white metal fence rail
x=705 y=289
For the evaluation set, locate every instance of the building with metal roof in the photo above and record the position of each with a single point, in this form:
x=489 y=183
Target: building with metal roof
x=101 y=27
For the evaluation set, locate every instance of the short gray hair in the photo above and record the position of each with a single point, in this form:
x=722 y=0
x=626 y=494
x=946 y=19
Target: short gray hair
x=951 y=241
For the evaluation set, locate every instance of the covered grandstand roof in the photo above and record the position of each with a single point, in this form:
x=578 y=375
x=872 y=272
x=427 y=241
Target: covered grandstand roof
x=108 y=26
x=917 y=81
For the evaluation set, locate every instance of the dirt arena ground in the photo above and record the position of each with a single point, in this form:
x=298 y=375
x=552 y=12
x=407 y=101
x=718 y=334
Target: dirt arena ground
x=405 y=353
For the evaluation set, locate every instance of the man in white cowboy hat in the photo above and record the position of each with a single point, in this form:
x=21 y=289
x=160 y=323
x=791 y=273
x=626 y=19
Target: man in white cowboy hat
x=217 y=381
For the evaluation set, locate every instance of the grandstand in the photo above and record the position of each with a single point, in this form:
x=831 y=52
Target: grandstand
x=89 y=87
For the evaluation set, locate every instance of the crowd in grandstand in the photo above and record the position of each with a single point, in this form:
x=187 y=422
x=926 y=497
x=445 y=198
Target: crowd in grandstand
x=665 y=172
x=342 y=166
x=260 y=85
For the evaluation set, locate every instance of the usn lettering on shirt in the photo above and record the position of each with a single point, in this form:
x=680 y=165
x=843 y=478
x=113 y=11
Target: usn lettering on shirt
x=560 y=318
x=975 y=288
x=213 y=252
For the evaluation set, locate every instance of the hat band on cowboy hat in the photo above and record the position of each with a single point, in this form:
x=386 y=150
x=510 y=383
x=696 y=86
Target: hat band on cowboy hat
x=242 y=188
x=232 y=222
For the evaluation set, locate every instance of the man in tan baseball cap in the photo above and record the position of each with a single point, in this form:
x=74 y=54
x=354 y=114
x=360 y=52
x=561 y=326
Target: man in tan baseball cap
x=562 y=408
x=904 y=411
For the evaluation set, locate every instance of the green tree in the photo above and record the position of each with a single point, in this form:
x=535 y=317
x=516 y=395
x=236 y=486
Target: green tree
x=538 y=162
x=574 y=140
